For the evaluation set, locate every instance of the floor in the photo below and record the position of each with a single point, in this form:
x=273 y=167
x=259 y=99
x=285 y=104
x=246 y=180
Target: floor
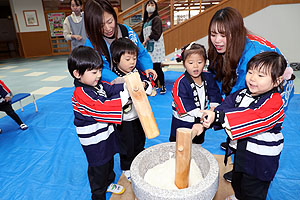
x=41 y=76
x=44 y=76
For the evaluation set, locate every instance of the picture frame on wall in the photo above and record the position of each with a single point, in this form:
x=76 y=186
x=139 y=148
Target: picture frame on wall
x=31 y=18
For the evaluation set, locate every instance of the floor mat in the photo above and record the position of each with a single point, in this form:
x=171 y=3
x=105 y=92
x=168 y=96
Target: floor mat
x=46 y=161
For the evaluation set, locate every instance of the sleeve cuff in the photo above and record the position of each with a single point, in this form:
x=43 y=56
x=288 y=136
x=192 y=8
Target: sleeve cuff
x=219 y=116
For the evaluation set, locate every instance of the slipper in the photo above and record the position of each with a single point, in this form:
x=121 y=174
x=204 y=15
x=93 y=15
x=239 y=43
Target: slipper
x=115 y=188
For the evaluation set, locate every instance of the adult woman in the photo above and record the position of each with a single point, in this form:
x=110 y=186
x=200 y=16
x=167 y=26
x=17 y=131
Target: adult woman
x=152 y=38
x=74 y=25
x=102 y=29
x=231 y=46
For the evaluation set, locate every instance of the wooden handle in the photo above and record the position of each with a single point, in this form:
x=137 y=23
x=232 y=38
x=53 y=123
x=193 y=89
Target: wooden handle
x=141 y=104
x=184 y=138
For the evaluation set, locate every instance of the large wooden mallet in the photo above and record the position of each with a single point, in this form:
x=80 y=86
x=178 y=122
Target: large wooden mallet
x=184 y=137
x=141 y=104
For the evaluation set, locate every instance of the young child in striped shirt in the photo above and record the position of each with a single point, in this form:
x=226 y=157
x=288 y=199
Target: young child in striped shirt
x=253 y=117
x=97 y=108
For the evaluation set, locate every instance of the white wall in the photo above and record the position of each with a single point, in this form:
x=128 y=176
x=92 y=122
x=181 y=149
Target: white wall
x=126 y=4
x=278 y=24
x=18 y=6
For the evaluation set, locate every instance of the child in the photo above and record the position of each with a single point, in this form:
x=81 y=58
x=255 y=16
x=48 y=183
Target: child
x=253 y=117
x=73 y=26
x=132 y=137
x=192 y=90
x=5 y=105
x=97 y=108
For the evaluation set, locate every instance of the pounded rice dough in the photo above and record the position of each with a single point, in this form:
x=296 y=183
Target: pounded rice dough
x=163 y=175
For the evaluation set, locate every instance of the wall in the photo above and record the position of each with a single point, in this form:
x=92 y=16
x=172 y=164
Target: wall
x=34 y=40
x=277 y=23
x=20 y=5
x=127 y=3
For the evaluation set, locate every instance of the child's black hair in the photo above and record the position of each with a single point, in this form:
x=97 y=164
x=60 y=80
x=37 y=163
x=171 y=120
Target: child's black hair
x=84 y=58
x=77 y=2
x=120 y=47
x=269 y=62
x=191 y=49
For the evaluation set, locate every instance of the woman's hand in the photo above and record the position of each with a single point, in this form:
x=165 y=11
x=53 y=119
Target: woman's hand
x=145 y=42
x=152 y=73
x=208 y=118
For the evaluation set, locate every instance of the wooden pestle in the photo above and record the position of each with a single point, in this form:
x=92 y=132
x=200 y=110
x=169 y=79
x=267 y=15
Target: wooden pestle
x=141 y=104
x=184 y=137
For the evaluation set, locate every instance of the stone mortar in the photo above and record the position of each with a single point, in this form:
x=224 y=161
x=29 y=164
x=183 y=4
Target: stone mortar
x=157 y=154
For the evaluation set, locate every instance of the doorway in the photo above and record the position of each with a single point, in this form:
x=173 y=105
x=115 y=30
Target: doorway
x=8 y=35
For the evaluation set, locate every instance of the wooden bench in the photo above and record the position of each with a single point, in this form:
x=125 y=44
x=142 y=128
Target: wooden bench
x=20 y=96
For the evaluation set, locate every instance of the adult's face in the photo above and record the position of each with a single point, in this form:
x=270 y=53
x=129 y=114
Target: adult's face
x=109 y=24
x=218 y=39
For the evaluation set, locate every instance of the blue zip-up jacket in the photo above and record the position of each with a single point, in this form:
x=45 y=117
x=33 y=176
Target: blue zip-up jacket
x=143 y=63
x=253 y=46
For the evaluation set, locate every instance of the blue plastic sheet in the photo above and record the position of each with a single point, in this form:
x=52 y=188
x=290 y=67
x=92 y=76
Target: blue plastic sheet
x=46 y=161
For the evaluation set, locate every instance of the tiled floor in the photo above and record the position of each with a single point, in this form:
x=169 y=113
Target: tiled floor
x=41 y=76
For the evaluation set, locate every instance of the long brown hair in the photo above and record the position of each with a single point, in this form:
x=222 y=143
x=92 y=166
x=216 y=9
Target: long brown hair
x=230 y=23
x=93 y=19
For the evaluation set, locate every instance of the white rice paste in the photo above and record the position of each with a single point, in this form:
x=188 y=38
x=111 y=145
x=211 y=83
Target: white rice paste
x=163 y=175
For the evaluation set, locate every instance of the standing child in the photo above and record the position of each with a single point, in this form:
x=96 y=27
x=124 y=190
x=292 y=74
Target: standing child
x=5 y=105
x=192 y=91
x=74 y=29
x=132 y=137
x=97 y=108
x=253 y=117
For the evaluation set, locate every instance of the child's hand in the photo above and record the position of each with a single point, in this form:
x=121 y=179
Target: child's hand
x=208 y=118
x=7 y=99
x=197 y=129
x=77 y=37
x=151 y=72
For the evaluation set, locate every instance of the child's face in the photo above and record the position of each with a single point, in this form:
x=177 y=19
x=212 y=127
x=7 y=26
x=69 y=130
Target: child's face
x=127 y=62
x=218 y=39
x=259 y=81
x=76 y=9
x=90 y=77
x=194 y=64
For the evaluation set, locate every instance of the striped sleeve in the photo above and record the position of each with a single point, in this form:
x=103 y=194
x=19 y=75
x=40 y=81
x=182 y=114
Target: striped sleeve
x=101 y=109
x=183 y=98
x=246 y=121
x=4 y=90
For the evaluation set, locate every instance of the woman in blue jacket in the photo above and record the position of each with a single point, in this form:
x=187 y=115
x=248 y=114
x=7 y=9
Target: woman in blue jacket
x=102 y=29
x=231 y=47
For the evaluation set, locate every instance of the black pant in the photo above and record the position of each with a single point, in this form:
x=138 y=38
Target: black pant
x=7 y=108
x=249 y=188
x=132 y=141
x=160 y=74
x=198 y=139
x=100 y=178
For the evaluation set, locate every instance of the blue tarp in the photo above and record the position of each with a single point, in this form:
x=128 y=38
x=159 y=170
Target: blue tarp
x=46 y=161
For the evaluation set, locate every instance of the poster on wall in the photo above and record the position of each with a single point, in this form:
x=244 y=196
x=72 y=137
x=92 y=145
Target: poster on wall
x=56 y=21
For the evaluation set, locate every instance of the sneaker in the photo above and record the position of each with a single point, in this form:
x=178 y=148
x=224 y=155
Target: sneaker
x=127 y=174
x=232 y=197
x=115 y=188
x=23 y=126
x=163 y=90
x=223 y=145
x=228 y=176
